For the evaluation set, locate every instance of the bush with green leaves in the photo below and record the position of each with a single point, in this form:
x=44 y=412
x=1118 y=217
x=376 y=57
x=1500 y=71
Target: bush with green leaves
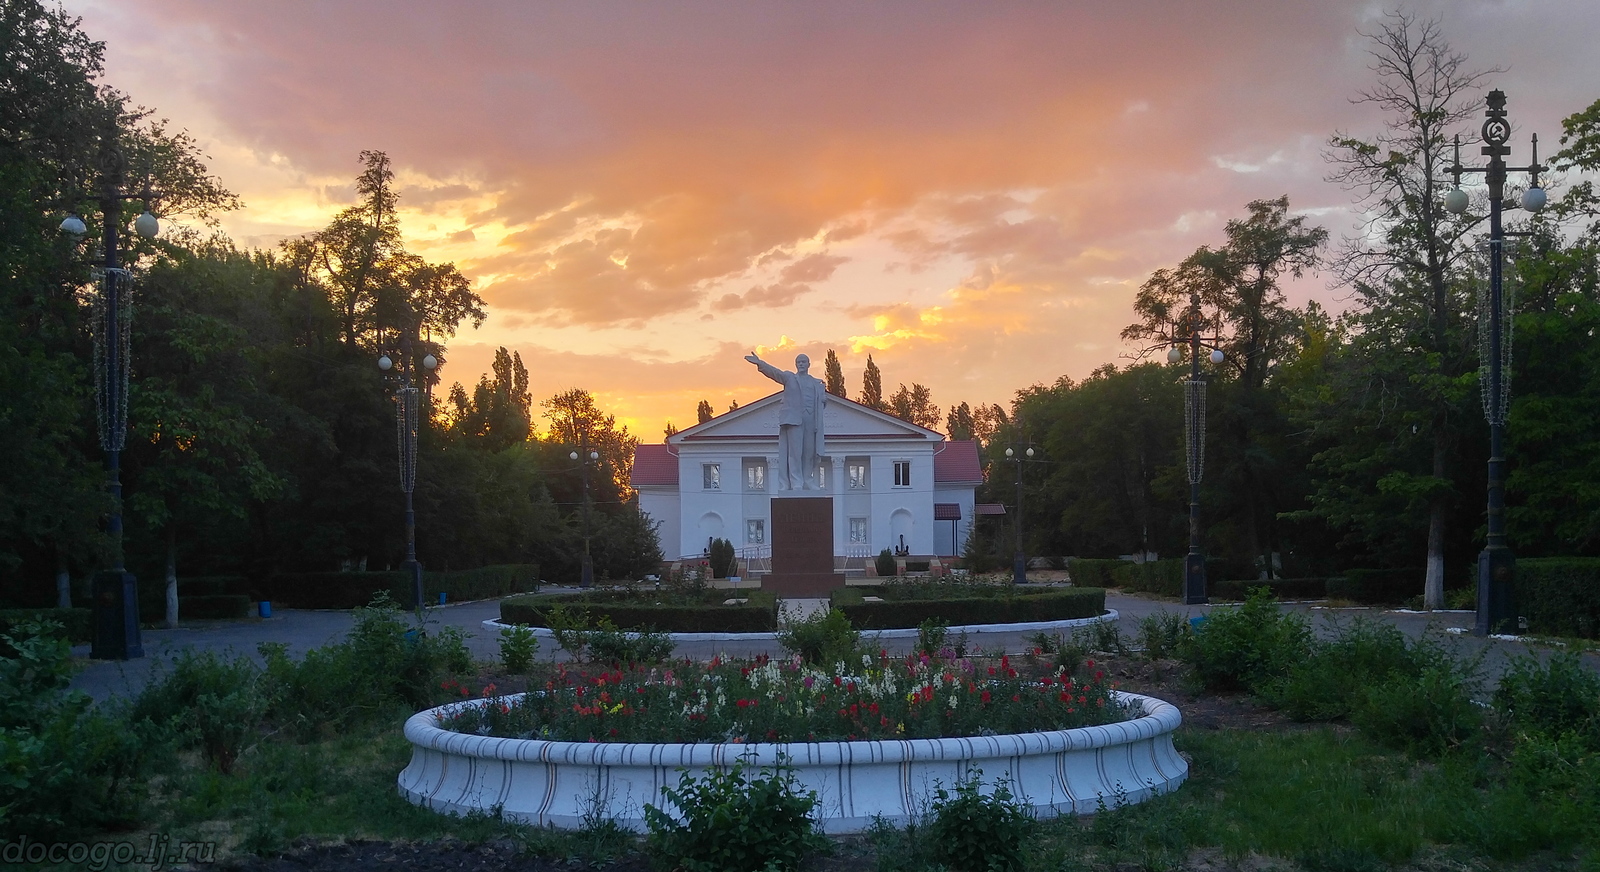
x=1560 y=697
x=727 y=822
x=210 y=702
x=1248 y=646
x=721 y=558
x=66 y=766
x=982 y=832
x=1326 y=685
x=885 y=565
x=1430 y=713
x=822 y=639
x=518 y=646
x=931 y=635
x=1162 y=635
x=607 y=644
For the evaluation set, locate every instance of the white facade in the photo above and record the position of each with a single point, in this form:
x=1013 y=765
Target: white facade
x=716 y=481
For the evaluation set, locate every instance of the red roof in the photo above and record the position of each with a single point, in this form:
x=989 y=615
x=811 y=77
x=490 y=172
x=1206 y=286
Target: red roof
x=654 y=465
x=957 y=461
x=989 y=509
x=947 y=511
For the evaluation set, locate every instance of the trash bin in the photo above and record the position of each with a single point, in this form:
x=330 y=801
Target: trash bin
x=266 y=608
x=441 y=597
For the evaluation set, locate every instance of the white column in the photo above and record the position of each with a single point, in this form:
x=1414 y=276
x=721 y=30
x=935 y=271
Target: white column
x=841 y=523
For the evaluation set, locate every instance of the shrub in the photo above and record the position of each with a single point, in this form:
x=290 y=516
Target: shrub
x=885 y=565
x=1163 y=635
x=1245 y=647
x=65 y=765
x=209 y=702
x=1554 y=699
x=518 y=646
x=758 y=614
x=721 y=558
x=822 y=640
x=971 y=830
x=1093 y=573
x=348 y=590
x=1163 y=577
x=1282 y=588
x=74 y=625
x=730 y=823
x=1377 y=586
x=1560 y=595
x=931 y=635
x=1430 y=713
x=607 y=644
x=1364 y=654
x=1046 y=605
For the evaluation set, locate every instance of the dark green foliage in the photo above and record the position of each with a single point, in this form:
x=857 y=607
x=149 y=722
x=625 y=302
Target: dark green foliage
x=1282 y=588
x=1429 y=713
x=1163 y=635
x=1163 y=577
x=65 y=766
x=755 y=615
x=607 y=644
x=1087 y=572
x=518 y=645
x=208 y=702
x=1052 y=605
x=982 y=832
x=74 y=625
x=1377 y=586
x=1560 y=595
x=884 y=565
x=726 y=822
x=1557 y=699
x=721 y=558
x=1245 y=647
x=348 y=590
x=822 y=639
x=1331 y=683
x=931 y=635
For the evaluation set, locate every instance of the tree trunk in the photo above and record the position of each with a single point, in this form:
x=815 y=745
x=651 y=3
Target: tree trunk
x=1433 y=586
x=172 y=577
x=63 y=580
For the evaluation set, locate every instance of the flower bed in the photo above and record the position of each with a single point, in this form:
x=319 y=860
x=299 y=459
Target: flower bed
x=873 y=738
x=1072 y=771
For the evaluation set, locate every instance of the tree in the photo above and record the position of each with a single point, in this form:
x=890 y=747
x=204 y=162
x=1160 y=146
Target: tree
x=1404 y=266
x=960 y=425
x=872 y=387
x=1242 y=306
x=835 y=374
x=669 y=431
x=499 y=412
x=915 y=404
x=575 y=421
x=703 y=411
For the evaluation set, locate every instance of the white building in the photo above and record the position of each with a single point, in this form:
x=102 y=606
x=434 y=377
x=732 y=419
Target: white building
x=894 y=485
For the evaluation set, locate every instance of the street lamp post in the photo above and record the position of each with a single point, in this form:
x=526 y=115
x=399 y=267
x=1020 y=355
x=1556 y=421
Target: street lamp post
x=586 y=571
x=1019 y=561
x=1497 y=566
x=116 y=591
x=1194 y=430
x=407 y=414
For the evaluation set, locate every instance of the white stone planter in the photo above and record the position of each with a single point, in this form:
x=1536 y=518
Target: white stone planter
x=976 y=633
x=559 y=783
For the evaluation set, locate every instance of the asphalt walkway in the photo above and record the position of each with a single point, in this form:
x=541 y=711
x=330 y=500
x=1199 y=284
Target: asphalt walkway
x=300 y=631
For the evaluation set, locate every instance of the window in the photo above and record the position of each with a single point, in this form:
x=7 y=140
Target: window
x=858 y=531
x=902 y=473
x=856 y=472
x=711 y=476
x=755 y=531
x=755 y=475
x=822 y=476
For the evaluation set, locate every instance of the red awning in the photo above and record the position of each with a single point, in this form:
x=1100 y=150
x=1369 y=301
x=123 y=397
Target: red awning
x=989 y=509
x=947 y=511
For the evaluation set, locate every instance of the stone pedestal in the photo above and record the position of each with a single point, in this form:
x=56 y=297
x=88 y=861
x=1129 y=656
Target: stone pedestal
x=802 y=548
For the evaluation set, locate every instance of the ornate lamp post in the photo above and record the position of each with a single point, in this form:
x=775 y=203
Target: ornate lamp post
x=116 y=591
x=1497 y=566
x=588 y=457
x=408 y=404
x=1194 y=431
x=1019 y=561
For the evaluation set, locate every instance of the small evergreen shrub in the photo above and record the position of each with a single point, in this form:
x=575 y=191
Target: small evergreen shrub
x=721 y=558
x=885 y=565
x=1093 y=573
x=727 y=822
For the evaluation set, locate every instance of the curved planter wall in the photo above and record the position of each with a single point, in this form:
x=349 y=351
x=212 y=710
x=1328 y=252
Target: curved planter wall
x=975 y=633
x=540 y=782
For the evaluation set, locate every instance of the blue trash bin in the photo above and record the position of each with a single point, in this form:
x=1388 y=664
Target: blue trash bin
x=1196 y=622
x=266 y=609
x=441 y=597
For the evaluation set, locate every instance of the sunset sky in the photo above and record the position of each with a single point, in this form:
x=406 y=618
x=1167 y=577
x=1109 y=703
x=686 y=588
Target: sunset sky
x=644 y=192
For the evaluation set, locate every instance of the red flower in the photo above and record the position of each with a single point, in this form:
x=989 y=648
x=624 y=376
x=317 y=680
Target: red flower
x=1065 y=697
x=984 y=697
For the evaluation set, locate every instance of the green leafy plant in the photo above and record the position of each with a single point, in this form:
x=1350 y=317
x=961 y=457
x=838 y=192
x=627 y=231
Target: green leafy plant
x=1162 y=635
x=518 y=646
x=885 y=564
x=982 y=832
x=1247 y=646
x=1430 y=713
x=721 y=557
x=607 y=644
x=931 y=635
x=726 y=822
x=1560 y=697
x=211 y=702
x=822 y=639
x=570 y=627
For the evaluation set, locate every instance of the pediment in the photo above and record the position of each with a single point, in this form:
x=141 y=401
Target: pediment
x=842 y=419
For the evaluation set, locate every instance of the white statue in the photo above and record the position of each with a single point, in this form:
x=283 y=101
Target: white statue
x=800 y=443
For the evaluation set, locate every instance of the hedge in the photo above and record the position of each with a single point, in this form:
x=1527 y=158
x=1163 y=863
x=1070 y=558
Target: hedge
x=1377 y=586
x=1282 y=588
x=1093 y=573
x=77 y=625
x=756 y=615
x=1075 y=602
x=1560 y=596
x=349 y=590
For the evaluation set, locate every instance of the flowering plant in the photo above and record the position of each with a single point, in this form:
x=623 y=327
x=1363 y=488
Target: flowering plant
x=765 y=700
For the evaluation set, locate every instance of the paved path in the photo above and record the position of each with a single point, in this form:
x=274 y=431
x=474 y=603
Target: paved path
x=301 y=631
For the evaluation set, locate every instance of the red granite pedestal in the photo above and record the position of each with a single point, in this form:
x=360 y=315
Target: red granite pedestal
x=802 y=548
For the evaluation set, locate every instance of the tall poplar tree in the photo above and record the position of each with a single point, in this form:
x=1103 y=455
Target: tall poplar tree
x=872 y=386
x=834 y=373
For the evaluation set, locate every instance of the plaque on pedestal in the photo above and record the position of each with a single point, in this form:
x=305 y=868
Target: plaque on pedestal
x=802 y=548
